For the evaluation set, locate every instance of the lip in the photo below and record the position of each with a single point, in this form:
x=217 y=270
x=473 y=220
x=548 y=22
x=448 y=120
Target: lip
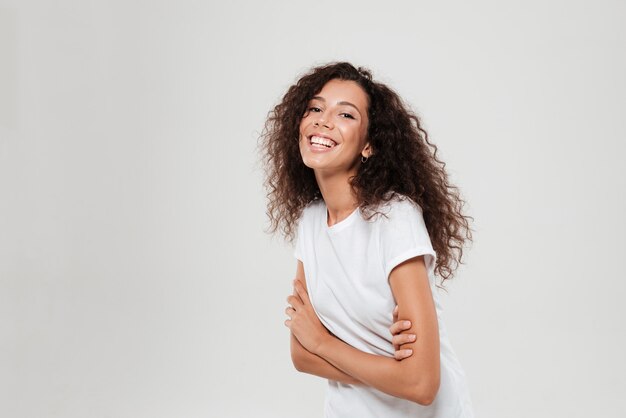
x=316 y=148
x=321 y=135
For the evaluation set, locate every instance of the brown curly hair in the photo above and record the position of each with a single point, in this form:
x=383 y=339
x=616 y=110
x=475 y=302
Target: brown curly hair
x=403 y=161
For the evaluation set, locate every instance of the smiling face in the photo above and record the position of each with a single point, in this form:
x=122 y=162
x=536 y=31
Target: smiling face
x=333 y=129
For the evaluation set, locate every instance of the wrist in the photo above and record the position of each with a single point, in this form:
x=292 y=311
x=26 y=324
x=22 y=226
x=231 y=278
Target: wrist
x=323 y=344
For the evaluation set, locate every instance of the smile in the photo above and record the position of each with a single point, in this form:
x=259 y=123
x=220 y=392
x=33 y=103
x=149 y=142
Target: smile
x=321 y=141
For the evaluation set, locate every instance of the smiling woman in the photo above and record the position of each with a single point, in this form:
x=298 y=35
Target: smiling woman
x=334 y=127
x=352 y=175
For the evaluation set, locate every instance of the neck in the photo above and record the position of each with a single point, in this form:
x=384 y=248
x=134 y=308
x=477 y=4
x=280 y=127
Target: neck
x=337 y=195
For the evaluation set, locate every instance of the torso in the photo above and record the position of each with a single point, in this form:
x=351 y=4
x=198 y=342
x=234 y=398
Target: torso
x=348 y=287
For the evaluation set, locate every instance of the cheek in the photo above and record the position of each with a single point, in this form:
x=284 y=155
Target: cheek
x=353 y=135
x=302 y=125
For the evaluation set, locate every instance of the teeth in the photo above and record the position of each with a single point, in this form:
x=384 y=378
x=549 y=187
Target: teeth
x=322 y=141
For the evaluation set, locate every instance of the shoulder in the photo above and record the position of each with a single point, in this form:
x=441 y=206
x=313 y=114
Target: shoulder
x=313 y=207
x=308 y=225
x=398 y=208
x=402 y=234
x=311 y=211
x=401 y=216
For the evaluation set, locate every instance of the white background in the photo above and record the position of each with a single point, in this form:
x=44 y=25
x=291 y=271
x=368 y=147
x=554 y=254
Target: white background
x=135 y=276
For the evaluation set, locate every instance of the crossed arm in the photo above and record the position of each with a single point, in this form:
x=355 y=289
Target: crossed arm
x=416 y=377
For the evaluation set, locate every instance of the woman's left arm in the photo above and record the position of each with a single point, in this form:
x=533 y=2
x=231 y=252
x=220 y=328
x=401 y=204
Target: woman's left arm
x=415 y=378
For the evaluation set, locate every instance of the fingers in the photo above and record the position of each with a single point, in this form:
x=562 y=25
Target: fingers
x=401 y=339
x=399 y=326
x=294 y=301
x=402 y=354
x=301 y=291
x=289 y=311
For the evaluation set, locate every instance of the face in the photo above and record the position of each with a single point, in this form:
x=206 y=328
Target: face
x=333 y=130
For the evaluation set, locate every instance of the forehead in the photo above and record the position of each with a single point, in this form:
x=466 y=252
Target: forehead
x=344 y=90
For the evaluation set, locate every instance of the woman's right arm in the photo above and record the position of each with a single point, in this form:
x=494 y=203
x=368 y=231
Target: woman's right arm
x=416 y=378
x=306 y=362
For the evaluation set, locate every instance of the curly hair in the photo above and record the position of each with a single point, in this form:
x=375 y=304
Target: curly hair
x=404 y=161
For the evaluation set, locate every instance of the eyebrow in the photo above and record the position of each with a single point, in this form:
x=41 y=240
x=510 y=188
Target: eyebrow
x=320 y=98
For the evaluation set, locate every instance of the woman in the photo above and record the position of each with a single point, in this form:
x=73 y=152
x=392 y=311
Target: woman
x=351 y=171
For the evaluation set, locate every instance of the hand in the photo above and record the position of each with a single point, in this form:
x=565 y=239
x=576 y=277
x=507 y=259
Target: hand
x=303 y=321
x=399 y=339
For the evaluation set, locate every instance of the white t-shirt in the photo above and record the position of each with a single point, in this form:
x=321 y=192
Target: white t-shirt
x=347 y=266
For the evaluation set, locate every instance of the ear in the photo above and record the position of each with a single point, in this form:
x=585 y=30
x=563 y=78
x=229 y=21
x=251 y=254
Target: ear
x=367 y=150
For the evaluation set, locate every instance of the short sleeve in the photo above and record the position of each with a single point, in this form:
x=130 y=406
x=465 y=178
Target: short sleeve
x=298 y=253
x=403 y=235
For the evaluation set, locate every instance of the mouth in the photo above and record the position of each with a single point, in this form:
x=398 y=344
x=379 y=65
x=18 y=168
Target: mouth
x=321 y=141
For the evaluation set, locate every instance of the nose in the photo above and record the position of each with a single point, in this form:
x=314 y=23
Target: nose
x=321 y=120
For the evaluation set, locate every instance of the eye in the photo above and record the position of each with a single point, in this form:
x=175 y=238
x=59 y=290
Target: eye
x=347 y=115
x=315 y=109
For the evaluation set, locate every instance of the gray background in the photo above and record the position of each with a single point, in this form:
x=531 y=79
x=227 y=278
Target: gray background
x=135 y=276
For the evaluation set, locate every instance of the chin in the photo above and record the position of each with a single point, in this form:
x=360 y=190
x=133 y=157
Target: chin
x=309 y=160
x=313 y=165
